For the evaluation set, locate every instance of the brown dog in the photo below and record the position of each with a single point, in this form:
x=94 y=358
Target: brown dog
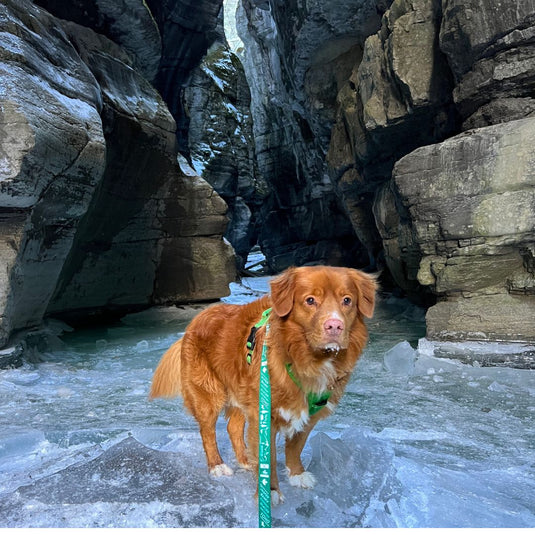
x=316 y=334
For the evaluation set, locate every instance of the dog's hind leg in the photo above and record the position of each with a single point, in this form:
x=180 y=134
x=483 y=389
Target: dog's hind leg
x=206 y=409
x=204 y=396
x=235 y=429
x=216 y=466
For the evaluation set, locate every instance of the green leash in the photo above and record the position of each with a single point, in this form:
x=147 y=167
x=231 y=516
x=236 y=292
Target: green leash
x=264 y=424
x=264 y=434
x=315 y=403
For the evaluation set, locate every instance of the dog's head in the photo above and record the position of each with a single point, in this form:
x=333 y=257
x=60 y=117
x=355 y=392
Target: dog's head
x=325 y=302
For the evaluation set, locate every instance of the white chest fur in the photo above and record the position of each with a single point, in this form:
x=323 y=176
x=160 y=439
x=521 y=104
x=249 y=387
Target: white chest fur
x=296 y=421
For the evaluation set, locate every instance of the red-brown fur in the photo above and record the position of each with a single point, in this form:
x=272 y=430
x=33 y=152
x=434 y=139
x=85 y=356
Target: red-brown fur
x=208 y=365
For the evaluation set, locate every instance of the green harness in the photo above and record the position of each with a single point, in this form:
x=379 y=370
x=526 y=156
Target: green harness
x=316 y=402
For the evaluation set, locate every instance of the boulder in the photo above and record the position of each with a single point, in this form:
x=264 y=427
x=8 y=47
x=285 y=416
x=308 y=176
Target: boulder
x=498 y=317
x=464 y=229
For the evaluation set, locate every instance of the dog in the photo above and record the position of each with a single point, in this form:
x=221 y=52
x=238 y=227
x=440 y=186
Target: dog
x=316 y=335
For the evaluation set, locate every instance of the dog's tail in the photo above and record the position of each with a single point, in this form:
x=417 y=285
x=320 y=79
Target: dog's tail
x=166 y=382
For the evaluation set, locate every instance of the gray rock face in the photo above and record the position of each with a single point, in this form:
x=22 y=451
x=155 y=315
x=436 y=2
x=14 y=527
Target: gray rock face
x=187 y=30
x=96 y=212
x=221 y=141
x=338 y=142
x=401 y=85
x=447 y=231
x=53 y=157
x=491 y=50
x=128 y=23
x=396 y=98
x=294 y=57
x=466 y=231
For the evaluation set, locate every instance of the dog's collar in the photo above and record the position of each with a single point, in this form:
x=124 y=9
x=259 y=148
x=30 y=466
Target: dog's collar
x=316 y=402
x=251 y=340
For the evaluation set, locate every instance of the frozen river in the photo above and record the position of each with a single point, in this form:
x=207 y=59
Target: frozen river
x=417 y=441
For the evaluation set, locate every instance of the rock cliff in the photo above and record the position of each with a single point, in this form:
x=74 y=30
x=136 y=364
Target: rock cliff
x=381 y=134
x=457 y=218
x=420 y=108
x=220 y=140
x=97 y=215
x=296 y=57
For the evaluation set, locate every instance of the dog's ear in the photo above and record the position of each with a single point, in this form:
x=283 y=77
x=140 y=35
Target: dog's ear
x=366 y=287
x=282 y=292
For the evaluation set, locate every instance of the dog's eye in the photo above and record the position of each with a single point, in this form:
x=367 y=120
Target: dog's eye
x=347 y=301
x=310 y=301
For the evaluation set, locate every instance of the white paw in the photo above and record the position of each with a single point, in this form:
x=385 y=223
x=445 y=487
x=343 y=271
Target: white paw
x=306 y=480
x=277 y=497
x=221 y=470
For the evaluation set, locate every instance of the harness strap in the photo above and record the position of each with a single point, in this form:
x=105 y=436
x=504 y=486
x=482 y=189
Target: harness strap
x=316 y=402
x=251 y=340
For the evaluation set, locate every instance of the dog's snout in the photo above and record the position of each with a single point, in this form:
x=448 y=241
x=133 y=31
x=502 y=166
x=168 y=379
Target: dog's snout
x=333 y=327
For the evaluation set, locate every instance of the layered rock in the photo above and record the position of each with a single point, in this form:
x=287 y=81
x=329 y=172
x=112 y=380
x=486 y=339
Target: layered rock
x=466 y=231
x=96 y=213
x=397 y=97
x=457 y=218
x=294 y=58
x=221 y=143
x=491 y=50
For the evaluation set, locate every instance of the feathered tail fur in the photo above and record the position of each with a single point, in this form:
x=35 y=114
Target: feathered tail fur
x=166 y=382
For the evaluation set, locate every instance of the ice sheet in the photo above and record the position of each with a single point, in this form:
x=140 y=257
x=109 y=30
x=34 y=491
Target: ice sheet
x=438 y=443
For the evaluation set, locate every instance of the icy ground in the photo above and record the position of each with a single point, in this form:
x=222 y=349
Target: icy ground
x=417 y=441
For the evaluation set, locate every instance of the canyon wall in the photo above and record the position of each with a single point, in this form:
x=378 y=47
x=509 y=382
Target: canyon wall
x=410 y=121
x=457 y=218
x=386 y=135
x=97 y=217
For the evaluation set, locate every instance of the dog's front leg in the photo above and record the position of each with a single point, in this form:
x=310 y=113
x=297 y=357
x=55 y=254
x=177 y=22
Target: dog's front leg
x=252 y=442
x=297 y=475
x=276 y=495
